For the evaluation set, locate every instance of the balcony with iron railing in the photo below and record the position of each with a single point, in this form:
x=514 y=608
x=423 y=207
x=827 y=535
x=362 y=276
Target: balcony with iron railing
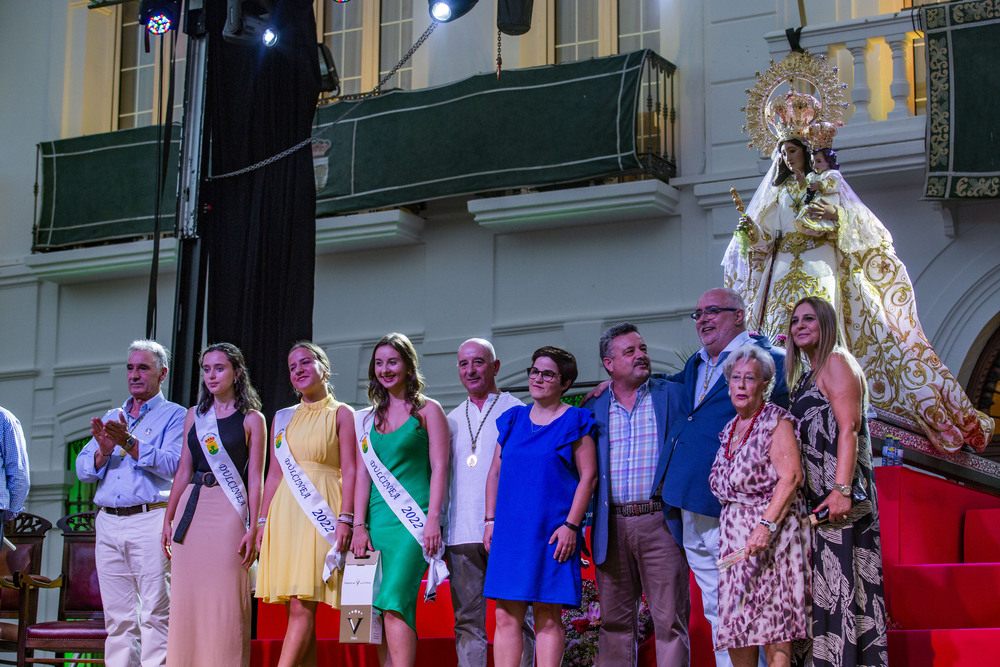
x=531 y=168
x=638 y=192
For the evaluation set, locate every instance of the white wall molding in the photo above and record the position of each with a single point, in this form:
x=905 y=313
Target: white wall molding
x=378 y=229
x=574 y=207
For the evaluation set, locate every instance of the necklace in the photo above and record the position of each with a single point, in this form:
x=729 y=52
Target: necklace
x=535 y=428
x=791 y=190
x=746 y=433
x=709 y=374
x=473 y=459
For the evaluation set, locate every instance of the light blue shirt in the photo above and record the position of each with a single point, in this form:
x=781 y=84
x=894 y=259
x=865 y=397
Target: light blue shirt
x=709 y=373
x=15 y=482
x=124 y=481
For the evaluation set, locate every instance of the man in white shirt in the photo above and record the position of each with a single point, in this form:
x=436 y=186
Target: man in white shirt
x=473 y=442
x=133 y=457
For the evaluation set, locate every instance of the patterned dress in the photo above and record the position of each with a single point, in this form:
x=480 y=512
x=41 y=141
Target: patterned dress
x=852 y=264
x=763 y=599
x=848 y=602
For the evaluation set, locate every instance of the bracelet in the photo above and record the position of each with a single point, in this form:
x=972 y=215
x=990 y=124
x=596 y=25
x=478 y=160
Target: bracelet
x=571 y=526
x=845 y=489
x=488 y=522
x=261 y=521
x=361 y=524
x=346 y=522
x=488 y=519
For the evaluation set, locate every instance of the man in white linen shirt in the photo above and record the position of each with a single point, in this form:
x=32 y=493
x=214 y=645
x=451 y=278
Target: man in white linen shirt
x=133 y=457
x=473 y=442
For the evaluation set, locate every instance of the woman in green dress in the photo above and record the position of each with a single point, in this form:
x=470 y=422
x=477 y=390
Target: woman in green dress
x=408 y=432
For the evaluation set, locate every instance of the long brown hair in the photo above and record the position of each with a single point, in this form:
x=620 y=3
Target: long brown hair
x=246 y=395
x=379 y=395
x=783 y=171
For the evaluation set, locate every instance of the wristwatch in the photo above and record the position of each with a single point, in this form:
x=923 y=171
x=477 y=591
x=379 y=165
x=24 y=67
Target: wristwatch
x=130 y=442
x=845 y=489
x=771 y=526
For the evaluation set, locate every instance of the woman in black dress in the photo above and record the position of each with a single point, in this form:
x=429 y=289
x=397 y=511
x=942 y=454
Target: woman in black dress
x=829 y=402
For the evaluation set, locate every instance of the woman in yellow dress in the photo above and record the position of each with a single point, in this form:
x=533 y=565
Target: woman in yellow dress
x=292 y=550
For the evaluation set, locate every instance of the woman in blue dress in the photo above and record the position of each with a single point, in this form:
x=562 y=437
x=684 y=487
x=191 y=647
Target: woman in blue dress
x=535 y=503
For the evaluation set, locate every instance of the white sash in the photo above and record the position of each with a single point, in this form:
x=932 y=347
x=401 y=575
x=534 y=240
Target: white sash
x=310 y=500
x=207 y=429
x=399 y=500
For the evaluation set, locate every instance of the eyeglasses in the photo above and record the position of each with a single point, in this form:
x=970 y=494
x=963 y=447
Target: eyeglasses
x=711 y=311
x=547 y=376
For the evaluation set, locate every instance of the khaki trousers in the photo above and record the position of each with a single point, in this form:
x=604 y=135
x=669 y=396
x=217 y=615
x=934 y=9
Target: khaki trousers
x=135 y=588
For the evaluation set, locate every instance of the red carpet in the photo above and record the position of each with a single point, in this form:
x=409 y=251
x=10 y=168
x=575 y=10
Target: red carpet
x=941 y=553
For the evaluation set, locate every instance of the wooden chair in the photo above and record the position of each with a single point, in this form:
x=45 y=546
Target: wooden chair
x=80 y=624
x=27 y=533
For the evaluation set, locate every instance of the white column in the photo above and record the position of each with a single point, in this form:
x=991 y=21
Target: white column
x=900 y=87
x=861 y=94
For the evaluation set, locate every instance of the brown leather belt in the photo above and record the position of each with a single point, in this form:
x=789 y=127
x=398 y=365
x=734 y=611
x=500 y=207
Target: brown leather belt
x=134 y=509
x=639 y=508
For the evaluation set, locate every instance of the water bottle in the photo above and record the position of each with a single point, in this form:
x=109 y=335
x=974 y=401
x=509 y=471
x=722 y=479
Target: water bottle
x=888 y=451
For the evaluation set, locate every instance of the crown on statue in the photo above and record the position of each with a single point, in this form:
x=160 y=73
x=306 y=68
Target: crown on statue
x=791 y=114
x=773 y=117
x=820 y=135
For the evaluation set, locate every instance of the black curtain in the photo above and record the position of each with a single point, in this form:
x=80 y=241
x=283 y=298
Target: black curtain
x=260 y=230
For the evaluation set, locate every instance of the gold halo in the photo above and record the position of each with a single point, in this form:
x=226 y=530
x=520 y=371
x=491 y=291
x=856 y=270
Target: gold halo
x=800 y=66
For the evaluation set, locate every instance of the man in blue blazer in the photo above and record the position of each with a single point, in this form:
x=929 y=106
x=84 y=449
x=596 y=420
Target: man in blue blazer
x=681 y=478
x=632 y=547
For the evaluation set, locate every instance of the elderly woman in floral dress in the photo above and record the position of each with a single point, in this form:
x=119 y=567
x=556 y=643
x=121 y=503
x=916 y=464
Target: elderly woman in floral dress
x=764 y=533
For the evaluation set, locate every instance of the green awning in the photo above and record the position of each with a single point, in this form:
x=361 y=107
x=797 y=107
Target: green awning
x=533 y=127
x=100 y=188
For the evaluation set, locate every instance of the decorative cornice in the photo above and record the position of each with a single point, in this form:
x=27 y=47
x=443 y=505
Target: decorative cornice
x=119 y=260
x=379 y=229
x=574 y=207
x=19 y=374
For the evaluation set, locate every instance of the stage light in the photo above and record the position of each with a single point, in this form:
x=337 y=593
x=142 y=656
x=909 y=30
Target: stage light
x=159 y=24
x=248 y=22
x=444 y=11
x=159 y=16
